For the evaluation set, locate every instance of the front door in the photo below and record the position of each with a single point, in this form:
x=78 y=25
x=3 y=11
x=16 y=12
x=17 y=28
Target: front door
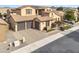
x=37 y=25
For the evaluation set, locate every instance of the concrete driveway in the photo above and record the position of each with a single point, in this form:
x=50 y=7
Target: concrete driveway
x=30 y=35
x=66 y=44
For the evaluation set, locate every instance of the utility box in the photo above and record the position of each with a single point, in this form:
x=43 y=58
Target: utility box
x=16 y=43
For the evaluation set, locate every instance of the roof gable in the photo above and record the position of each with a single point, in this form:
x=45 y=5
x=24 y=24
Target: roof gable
x=33 y=6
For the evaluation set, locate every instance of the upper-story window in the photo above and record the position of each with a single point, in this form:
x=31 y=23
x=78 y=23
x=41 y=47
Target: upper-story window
x=58 y=19
x=52 y=14
x=28 y=11
x=48 y=9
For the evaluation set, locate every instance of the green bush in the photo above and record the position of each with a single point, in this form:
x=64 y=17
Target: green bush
x=50 y=30
x=66 y=27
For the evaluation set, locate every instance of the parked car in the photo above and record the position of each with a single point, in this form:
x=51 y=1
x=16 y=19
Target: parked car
x=70 y=22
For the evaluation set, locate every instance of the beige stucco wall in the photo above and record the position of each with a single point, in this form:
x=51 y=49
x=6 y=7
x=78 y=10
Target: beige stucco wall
x=3 y=31
x=43 y=25
x=23 y=11
x=53 y=21
x=54 y=16
x=18 y=12
x=51 y=15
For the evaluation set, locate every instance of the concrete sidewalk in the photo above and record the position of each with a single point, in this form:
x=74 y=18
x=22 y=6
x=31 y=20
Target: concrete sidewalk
x=45 y=41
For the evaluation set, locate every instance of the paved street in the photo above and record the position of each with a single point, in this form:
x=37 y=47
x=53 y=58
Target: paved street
x=66 y=44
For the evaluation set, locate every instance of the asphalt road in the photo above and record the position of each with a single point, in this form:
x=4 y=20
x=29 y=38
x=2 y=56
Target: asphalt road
x=66 y=44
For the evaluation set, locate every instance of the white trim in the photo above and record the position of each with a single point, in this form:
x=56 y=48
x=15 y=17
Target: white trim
x=16 y=27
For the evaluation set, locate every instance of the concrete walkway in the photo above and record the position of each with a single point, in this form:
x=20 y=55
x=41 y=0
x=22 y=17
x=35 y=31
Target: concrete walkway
x=45 y=41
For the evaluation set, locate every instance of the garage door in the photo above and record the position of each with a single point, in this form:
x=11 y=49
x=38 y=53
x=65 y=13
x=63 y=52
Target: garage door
x=20 y=26
x=29 y=24
x=37 y=25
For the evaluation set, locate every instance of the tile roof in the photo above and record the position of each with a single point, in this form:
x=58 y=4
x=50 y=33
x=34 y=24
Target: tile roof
x=33 y=6
x=18 y=18
x=3 y=10
x=2 y=22
x=59 y=13
x=45 y=18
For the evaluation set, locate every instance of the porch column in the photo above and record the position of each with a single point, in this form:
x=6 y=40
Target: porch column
x=42 y=25
x=50 y=23
x=33 y=24
x=16 y=27
x=25 y=25
x=37 y=12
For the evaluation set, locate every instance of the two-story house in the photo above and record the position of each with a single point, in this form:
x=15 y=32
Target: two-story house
x=26 y=17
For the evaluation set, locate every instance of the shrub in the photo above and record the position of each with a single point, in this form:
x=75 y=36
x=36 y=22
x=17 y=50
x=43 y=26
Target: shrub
x=67 y=27
x=50 y=30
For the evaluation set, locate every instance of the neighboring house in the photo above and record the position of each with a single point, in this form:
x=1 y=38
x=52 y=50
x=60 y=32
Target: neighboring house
x=18 y=22
x=57 y=15
x=3 y=29
x=3 y=12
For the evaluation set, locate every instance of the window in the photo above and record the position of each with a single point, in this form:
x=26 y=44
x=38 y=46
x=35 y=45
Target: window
x=28 y=11
x=52 y=13
x=47 y=23
x=48 y=9
x=58 y=19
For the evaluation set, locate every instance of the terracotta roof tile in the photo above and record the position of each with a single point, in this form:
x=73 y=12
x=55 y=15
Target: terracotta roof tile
x=2 y=22
x=44 y=18
x=18 y=18
x=59 y=13
x=33 y=6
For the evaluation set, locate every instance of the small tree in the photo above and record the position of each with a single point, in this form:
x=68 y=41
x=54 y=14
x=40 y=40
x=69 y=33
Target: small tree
x=69 y=15
x=60 y=9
